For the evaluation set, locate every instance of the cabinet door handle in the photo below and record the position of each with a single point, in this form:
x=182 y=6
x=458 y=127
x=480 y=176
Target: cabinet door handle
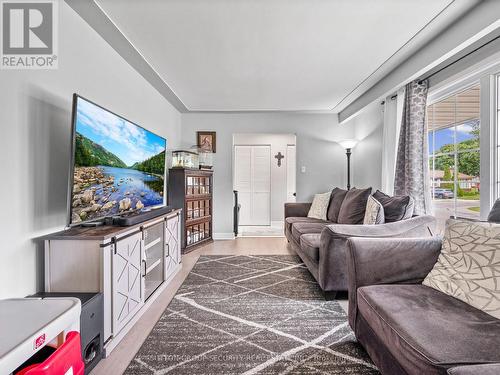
x=145 y=268
x=167 y=250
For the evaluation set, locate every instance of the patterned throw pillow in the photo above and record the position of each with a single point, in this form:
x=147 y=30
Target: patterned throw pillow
x=374 y=213
x=469 y=265
x=319 y=206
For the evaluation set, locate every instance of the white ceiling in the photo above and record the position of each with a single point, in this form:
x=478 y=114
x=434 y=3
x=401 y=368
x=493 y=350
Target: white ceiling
x=257 y=55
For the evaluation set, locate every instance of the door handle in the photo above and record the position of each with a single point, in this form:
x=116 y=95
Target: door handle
x=144 y=265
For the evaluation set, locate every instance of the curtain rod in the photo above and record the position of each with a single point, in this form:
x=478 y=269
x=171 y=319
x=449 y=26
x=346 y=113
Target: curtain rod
x=457 y=60
x=394 y=97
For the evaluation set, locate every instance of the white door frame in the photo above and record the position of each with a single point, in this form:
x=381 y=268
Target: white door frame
x=279 y=142
x=287 y=160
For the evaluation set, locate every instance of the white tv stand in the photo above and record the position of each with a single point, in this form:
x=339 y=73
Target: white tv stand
x=112 y=260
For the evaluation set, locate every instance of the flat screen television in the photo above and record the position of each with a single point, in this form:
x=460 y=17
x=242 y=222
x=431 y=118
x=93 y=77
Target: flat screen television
x=117 y=166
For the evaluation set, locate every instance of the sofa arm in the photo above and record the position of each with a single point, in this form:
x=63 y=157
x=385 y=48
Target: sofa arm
x=487 y=369
x=332 y=272
x=297 y=209
x=373 y=261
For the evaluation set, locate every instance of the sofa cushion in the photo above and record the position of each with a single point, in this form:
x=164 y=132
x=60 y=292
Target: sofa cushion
x=395 y=208
x=319 y=206
x=298 y=229
x=352 y=210
x=289 y=221
x=468 y=267
x=336 y=199
x=429 y=330
x=489 y=369
x=309 y=244
x=374 y=213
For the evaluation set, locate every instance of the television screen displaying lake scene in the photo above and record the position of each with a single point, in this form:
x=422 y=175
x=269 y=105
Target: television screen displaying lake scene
x=119 y=167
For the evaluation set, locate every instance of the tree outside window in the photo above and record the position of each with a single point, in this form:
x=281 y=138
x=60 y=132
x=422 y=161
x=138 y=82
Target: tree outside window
x=454 y=157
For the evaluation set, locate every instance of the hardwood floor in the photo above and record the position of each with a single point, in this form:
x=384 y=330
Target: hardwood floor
x=118 y=360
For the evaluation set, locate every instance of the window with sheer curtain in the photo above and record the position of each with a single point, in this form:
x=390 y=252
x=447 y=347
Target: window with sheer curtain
x=454 y=155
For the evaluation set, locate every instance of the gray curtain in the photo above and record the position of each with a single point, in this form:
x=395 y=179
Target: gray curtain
x=412 y=164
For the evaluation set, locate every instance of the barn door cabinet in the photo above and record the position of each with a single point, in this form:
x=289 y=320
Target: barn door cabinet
x=114 y=261
x=172 y=247
x=126 y=279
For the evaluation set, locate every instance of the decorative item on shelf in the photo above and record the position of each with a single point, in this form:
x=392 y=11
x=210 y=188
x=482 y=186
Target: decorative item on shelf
x=185 y=159
x=348 y=144
x=206 y=140
x=206 y=158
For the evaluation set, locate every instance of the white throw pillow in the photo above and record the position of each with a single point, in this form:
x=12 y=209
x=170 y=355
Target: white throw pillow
x=468 y=267
x=319 y=206
x=374 y=213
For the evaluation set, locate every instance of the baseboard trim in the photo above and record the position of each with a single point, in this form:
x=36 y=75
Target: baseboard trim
x=223 y=236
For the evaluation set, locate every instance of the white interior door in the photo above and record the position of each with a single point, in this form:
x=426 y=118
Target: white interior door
x=261 y=185
x=252 y=179
x=291 y=170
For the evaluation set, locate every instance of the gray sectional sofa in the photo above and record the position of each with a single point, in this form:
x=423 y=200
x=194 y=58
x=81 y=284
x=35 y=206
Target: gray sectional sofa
x=322 y=244
x=407 y=327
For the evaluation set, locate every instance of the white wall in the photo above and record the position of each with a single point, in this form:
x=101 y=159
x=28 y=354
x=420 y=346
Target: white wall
x=366 y=159
x=278 y=143
x=35 y=119
x=317 y=150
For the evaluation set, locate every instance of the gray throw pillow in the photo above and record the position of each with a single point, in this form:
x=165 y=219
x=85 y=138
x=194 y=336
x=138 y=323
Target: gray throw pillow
x=353 y=207
x=395 y=208
x=494 y=215
x=336 y=199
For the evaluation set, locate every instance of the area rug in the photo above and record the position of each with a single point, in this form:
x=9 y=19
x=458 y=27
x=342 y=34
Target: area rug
x=251 y=315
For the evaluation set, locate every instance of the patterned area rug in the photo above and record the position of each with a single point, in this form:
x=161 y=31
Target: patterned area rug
x=251 y=315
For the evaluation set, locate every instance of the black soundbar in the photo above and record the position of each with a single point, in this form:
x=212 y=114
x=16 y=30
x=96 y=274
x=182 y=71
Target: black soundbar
x=133 y=218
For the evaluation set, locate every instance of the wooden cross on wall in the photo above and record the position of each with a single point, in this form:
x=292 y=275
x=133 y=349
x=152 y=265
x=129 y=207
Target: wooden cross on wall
x=279 y=156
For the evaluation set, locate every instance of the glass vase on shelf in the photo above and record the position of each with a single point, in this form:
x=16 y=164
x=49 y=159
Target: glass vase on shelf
x=206 y=158
x=185 y=159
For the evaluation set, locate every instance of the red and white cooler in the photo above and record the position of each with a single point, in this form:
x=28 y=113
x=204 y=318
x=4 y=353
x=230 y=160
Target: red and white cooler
x=29 y=325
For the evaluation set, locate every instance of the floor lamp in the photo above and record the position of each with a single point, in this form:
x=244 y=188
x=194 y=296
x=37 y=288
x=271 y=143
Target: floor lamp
x=348 y=144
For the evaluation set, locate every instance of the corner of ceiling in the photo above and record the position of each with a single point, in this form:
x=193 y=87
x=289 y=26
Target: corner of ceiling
x=96 y=18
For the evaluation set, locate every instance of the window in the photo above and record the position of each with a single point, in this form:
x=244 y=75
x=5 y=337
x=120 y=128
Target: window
x=497 y=120
x=454 y=155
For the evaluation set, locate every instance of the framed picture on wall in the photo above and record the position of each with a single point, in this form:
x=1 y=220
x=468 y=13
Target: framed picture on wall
x=206 y=140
